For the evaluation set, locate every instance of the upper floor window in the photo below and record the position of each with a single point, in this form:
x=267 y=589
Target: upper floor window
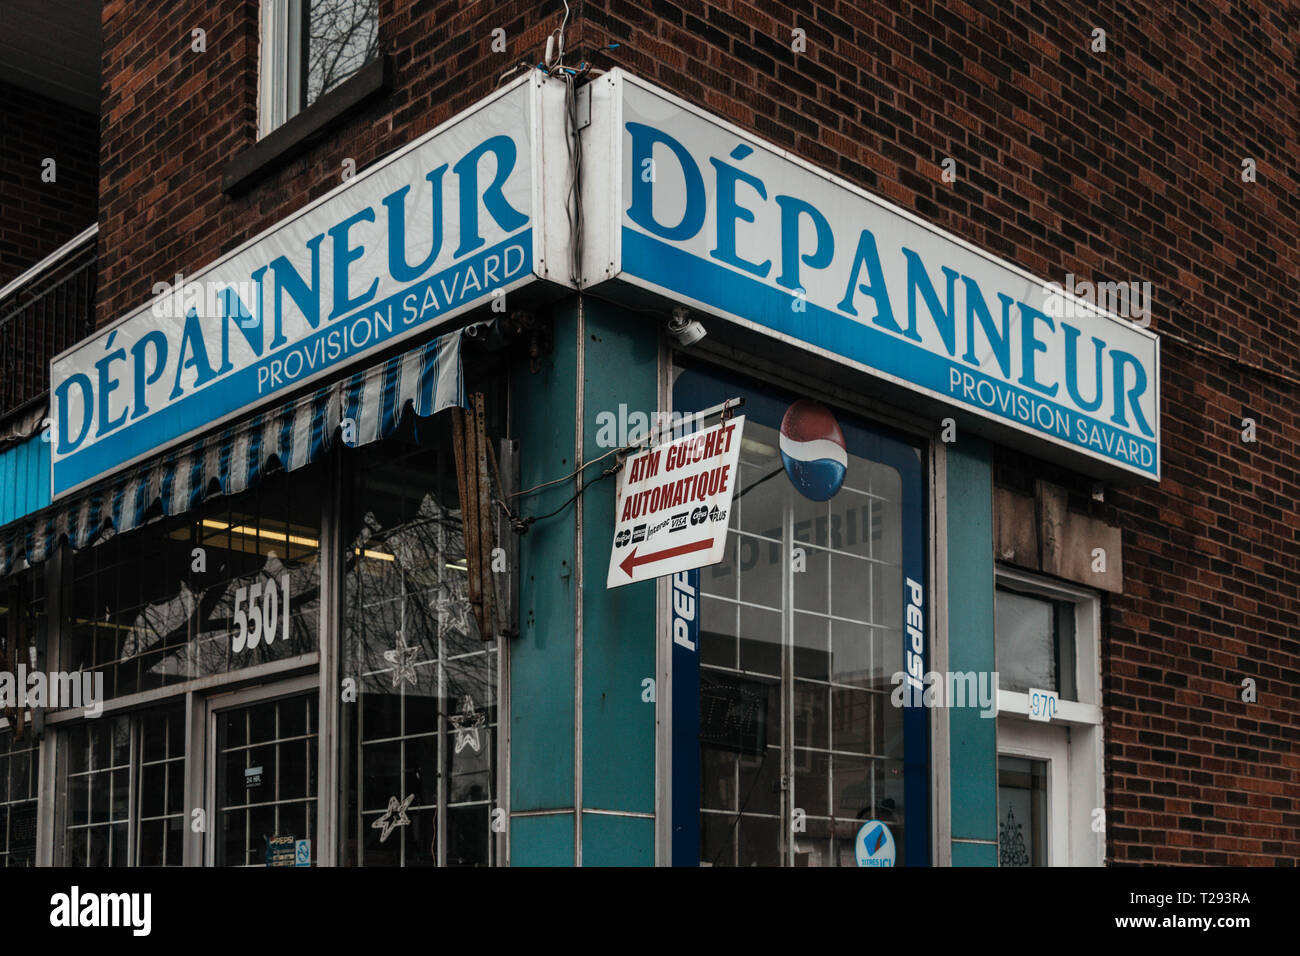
x=308 y=48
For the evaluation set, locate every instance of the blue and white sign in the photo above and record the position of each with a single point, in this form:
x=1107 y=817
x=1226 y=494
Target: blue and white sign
x=712 y=216
x=874 y=845
x=1043 y=704
x=452 y=221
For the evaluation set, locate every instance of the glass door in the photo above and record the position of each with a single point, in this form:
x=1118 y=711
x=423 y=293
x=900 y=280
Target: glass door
x=1034 y=794
x=263 y=778
x=802 y=635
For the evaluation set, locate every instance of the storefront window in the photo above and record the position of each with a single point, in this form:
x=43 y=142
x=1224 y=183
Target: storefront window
x=120 y=790
x=801 y=632
x=418 y=765
x=96 y=777
x=226 y=586
x=1035 y=643
x=18 y=777
x=160 y=827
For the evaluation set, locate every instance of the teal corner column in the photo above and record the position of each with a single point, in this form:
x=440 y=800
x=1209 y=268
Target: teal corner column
x=614 y=743
x=972 y=739
x=621 y=368
x=542 y=683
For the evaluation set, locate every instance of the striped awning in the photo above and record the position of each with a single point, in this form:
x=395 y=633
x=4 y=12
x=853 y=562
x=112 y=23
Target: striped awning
x=295 y=434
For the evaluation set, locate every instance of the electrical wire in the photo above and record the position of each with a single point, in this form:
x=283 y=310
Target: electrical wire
x=747 y=490
x=559 y=32
x=528 y=520
x=574 y=473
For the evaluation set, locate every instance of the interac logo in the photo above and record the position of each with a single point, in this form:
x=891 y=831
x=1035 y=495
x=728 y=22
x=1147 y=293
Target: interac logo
x=76 y=909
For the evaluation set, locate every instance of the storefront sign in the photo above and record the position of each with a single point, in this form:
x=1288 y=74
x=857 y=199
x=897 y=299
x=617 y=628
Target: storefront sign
x=874 y=845
x=454 y=220
x=686 y=718
x=712 y=216
x=674 y=505
x=280 y=851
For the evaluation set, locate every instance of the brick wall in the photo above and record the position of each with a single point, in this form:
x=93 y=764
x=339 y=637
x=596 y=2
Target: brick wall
x=1123 y=165
x=173 y=119
x=41 y=216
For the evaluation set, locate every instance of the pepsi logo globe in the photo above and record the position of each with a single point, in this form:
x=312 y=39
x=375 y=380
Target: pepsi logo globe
x=812 y=448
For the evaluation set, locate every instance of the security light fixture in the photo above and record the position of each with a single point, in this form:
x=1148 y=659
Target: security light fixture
x=685 y=330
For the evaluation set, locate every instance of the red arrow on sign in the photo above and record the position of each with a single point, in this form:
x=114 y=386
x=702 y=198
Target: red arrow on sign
x=632 y=561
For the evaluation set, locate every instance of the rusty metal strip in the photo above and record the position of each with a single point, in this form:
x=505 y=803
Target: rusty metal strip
x=462 y=438
x=483 y=554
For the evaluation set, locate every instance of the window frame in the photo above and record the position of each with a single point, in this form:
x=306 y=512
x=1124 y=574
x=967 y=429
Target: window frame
x=7 y=749
x=1079 y=719
x=282 y=59
x=1085 y=708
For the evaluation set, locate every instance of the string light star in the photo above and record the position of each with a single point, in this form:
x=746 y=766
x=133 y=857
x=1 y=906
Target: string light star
x=402 y=657
x=451 y=605
x=394 y=818
x=467 y=724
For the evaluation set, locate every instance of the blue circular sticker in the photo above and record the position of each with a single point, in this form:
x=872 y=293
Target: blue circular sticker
x=875 y=845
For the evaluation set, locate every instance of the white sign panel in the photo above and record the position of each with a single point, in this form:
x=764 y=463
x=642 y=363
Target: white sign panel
x=1043 y=704
x=710 y=215
x=454 y=220
x=674 y=505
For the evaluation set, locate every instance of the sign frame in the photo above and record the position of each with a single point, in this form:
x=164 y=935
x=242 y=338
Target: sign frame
x=691 y=510
x=549 y=242
x=604 y=259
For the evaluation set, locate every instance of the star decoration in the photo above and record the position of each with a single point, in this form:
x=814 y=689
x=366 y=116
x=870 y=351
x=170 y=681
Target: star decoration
x=452 y=608
x=394 y=818
x=402 y=658
x=466 y=724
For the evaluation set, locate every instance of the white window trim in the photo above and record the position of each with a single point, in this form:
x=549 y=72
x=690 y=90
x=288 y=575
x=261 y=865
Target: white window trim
x=279 y=64
x=1081 y=717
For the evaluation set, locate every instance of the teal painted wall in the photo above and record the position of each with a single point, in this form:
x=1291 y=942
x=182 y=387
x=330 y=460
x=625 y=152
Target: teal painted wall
x=542 y=841
x=24 y=479
x=620 y=364
x=974 y=854
x=542 y=656
x=617 y=841
x=973 y=739
x=618 y=749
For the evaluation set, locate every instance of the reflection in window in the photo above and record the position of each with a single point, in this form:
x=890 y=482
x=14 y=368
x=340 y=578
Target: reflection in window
x=342 y=35
x=815 y=587
x=1035 y=643
x=419 y=764
x=308 y=47
x=167 y=603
